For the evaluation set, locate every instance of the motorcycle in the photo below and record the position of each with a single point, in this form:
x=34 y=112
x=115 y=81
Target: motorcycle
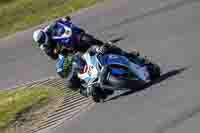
x=114 y=72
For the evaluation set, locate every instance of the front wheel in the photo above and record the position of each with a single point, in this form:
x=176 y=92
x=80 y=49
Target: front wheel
x=99 y=95
x=72 y=84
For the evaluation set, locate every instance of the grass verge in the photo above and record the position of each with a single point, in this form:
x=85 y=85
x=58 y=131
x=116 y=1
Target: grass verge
x=14 y=103
x=18 y=15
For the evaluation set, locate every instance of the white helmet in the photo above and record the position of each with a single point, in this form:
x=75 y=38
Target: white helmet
x=40 y=36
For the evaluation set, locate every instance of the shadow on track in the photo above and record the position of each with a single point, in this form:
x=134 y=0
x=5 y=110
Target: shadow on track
x=118 y=39
x=178 y=119
x=160 y=79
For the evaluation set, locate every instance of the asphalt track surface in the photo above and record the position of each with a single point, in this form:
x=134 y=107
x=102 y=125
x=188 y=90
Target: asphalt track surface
x=166 y=30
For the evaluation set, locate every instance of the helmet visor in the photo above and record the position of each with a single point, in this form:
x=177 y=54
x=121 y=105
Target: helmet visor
x=42 y=38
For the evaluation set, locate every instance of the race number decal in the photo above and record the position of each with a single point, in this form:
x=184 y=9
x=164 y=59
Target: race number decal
x=87 y=69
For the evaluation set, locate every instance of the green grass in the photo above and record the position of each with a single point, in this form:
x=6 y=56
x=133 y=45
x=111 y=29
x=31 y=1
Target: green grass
x=17 y=101
x=17 y=15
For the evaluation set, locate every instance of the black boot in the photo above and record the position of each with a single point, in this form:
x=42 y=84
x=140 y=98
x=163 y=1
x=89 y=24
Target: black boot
x=85 y=91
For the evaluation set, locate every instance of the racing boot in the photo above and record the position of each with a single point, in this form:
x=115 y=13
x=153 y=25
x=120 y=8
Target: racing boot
x=86 y=91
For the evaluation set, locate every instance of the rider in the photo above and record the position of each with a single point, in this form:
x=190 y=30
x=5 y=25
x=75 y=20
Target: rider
x=68 y=67
x=63 y=34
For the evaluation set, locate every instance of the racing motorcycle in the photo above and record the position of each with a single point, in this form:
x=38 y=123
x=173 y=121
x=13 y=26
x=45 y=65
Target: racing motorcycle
x=115 y=72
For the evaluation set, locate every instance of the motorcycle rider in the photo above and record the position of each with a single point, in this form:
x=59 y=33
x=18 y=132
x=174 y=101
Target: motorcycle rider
x=48 y=38
x=67 y=67
x=63 y=34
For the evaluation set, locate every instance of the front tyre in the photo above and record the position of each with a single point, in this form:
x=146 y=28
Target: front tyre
x=72 y=84
x=98 y=95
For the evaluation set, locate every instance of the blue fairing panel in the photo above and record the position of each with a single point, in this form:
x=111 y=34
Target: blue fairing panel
x=114 y=59
x=140 y=71
x=118 y=72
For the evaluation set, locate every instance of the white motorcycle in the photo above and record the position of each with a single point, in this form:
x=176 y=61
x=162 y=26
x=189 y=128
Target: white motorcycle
x=116 y=72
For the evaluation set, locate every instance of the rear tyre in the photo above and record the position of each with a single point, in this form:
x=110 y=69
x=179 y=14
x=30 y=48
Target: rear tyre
x=122 y=83
x=154 y=71
x=153 y=68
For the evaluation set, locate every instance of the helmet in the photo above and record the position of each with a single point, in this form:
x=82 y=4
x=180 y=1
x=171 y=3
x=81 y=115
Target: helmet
x=40 y=36
x=66 y=18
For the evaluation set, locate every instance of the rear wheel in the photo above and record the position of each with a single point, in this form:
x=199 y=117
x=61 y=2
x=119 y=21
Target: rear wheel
x=153 y=68
x=99 y=96
x=154 y=71
x=122 y=83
